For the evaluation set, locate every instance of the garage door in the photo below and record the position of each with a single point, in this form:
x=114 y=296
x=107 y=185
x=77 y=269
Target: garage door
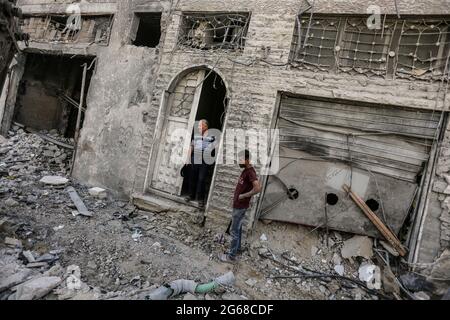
x=381 y=151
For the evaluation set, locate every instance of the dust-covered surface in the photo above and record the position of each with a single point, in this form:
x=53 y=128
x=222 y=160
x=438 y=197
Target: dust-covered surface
x=49 y=251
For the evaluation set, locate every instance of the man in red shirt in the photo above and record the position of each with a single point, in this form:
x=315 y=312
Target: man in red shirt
x=247 y=187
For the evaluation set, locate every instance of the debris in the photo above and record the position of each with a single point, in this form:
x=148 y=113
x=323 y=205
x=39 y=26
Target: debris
x=370 y=274
x=81 y=207
x=392 y=238
x=251 y=282
x=446 y=296
x=36 y=265
x=11 y=203
x=416 y=283
x=314 y=250
x=390 y=283
x=54 y=180
x=190 y=297
x=98 y=193
x=56 y=229
x=3 y=140
x=263 y=238
x=36 y=288
x=13 y=242
x=137 y=235
x=389 y=248
x=14 y=279
x=232 y=297
x=441 y=269
x=46 y=258
x=29 y=256
x=422 y=296
x=358 y=246
x=340 y=270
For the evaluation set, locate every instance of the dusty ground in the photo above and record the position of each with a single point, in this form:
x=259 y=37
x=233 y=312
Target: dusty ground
x=125 y=253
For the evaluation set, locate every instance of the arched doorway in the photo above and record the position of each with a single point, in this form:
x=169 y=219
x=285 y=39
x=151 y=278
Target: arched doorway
x=195 y=94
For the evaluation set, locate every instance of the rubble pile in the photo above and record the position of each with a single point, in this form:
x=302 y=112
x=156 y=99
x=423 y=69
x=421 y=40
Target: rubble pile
x=63 y=240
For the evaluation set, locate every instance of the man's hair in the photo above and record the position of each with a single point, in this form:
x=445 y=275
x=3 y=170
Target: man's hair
x=206 y=122
x=245 y=154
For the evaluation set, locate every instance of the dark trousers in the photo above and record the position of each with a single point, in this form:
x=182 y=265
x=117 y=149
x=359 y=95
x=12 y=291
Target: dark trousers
x=197 y=181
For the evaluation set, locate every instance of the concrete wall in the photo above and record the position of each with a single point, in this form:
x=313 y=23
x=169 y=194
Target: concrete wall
x=118 y=97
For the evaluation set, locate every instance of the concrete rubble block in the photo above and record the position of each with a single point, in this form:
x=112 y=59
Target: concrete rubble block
x=340 y=270
x=7 y=282
x=98 y=193
x=358 y=246
x=441 y=269
x=29 y=256
x=422 y=296
x=371 y=275
x=54 y=180
x=11 y=203
x=13 y=243
x=37 y=288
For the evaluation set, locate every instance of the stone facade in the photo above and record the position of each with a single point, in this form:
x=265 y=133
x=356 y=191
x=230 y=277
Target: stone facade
x=125 y=97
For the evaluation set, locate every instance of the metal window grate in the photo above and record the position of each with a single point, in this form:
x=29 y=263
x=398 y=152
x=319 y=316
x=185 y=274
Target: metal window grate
x=365 y=50
x=207 y=31
x=423 y=51
x=403 y=48
x=315 y=42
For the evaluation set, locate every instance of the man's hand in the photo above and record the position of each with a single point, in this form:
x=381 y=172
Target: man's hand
x=256 y=189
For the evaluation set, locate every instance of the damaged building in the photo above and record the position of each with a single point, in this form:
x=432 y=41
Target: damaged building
x=357 y=106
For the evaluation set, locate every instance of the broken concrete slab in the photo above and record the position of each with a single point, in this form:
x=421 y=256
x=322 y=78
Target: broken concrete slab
x=358 y=246
x=54 y=180
x=13 y=242
x=29 y=256
x=81 y=207
x=98 y=193
x=441 y=269
x=389 y=281
x=36 y=265
x=37 y=288
x=13 y=280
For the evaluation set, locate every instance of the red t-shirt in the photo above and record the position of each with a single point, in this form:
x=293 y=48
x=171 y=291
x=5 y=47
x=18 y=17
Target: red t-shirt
x=244 y=185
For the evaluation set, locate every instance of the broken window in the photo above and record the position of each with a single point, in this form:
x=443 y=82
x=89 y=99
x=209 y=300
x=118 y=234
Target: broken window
x=146 y=29
x=50 y=92
x=59 y=28
x=315 y=47
x=424 y=49
x=404 y=48
x=214 y=30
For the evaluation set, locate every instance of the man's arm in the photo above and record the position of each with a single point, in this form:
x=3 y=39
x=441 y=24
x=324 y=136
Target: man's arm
x=256 y=189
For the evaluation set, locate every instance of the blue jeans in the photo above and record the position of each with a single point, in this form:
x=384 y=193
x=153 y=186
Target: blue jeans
x=236 y=231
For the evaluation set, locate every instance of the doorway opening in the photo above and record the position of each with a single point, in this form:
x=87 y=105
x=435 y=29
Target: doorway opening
x=211 y=107
x=49 y=93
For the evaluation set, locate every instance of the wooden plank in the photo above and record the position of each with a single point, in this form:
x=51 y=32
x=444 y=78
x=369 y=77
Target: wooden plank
x=388 y=234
